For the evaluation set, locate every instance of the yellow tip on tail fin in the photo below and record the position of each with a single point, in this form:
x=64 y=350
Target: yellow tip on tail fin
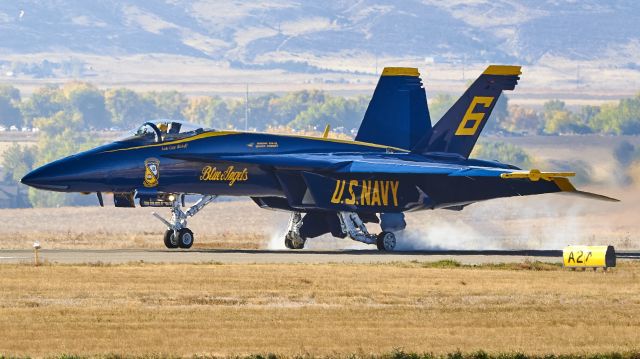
x=504 y=70
x=325 y=134
x=400 y=71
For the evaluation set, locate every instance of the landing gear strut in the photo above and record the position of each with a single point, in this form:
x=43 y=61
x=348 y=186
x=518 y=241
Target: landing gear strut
x=353 y=226
x=293 y=239
x=177 y=234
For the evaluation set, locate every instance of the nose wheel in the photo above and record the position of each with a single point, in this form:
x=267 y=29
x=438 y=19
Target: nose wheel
x=170 y=240
x=177 y=234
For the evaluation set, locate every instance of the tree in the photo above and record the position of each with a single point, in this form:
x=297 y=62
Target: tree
x=524 y=120
x=285 y=109
x=335 y=111
x=89 y=102
x=10 y=115
x=503 y=152
x=17 y=161
x=260 y=111
x=210 y=111
x=563 y=122
x=587 y=113
x=439 y=106
x=10 y=92
x=553 y=106
x=499 y=115
x=621 y=118
x=127 y=108
x=167 y=104
x=559 y=120
x=59 y=123
x=44 y=102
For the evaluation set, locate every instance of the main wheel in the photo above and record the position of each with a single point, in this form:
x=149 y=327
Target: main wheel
x=287 y=242
x=293 y=241
x=185 y=238
x=170 y=240
x=386 y=241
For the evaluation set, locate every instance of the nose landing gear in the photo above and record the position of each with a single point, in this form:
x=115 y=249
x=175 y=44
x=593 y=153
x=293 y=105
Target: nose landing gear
x=177 y=234
x=184 y=239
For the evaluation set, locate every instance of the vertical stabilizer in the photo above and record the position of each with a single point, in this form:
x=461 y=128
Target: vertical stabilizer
x=397 y=115
x=459 y=128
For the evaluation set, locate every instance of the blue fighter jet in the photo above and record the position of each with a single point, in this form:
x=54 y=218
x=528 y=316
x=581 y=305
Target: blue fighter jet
x=397 y=163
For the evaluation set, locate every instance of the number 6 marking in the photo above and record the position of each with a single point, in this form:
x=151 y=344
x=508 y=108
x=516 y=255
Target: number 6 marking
x=476 y=117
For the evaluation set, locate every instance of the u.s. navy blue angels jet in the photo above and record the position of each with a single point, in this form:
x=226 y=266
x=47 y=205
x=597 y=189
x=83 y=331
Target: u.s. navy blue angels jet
x=397 y=163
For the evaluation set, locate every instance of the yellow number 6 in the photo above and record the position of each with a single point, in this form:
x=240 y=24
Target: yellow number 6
x=477 y=117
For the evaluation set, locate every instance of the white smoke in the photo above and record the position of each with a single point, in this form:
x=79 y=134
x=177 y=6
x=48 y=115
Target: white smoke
x=549 y=221
x=516 y=223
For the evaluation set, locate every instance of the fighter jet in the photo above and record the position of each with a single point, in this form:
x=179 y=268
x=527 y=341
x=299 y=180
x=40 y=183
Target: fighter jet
x=398 y=162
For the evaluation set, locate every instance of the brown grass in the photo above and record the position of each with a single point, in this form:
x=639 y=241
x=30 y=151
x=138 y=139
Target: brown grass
x=328 y=309
x=238 y=224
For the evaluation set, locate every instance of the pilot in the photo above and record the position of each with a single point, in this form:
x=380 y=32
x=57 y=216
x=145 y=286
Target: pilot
x=163 y=127
x=163 y=130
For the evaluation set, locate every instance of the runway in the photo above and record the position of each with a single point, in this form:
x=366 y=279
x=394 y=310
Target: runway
x=115 y=256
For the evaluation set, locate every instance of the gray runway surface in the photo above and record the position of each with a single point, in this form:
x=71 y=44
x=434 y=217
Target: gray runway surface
x=266 y=256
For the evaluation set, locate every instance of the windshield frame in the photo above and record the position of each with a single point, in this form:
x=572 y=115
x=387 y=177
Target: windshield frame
x=164 y=130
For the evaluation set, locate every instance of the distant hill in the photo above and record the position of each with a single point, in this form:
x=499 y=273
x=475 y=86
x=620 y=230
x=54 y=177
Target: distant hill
x=276 y=33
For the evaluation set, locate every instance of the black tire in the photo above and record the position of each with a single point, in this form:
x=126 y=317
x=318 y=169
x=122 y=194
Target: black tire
x=386 y=241
x=185 y=238
x=288 y=243
x=298 y=246
x=169 y=240
x=291 y=244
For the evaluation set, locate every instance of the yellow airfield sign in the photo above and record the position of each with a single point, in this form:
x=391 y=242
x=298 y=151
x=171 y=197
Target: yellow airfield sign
x=589 y=257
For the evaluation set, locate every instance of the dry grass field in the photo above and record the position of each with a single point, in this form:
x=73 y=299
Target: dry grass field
x=331 y=309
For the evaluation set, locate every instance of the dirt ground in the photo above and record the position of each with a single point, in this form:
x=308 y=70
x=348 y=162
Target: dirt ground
x=328 y=309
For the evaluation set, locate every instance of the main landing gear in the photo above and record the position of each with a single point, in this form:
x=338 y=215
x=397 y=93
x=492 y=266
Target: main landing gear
x=293 y=239
x=350 y=223
x=177 y=234
x=353 y=226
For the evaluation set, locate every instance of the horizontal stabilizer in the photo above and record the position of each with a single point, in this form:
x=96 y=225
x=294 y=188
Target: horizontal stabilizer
x=560 y=179
x=595 y=196
x=536 y=175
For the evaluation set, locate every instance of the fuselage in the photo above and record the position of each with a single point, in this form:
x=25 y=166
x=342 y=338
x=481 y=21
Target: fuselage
x=120 y=166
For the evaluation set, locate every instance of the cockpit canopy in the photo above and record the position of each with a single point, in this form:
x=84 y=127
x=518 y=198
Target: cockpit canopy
x=165 y=130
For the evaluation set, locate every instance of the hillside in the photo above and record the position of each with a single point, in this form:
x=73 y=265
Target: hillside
x=115 y=40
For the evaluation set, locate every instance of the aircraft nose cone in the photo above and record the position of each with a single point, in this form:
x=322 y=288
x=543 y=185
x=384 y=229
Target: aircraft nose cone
x=46 y=177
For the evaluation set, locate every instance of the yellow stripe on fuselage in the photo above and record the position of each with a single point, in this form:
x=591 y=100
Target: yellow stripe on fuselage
x=182 y=140
x=225 y=133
